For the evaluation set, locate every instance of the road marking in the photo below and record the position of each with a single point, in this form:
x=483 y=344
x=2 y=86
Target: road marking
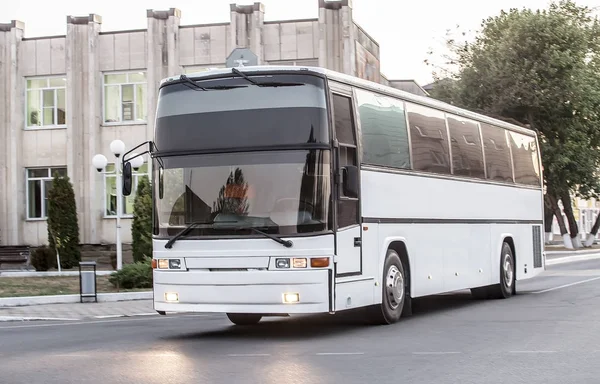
x=248 y=354
x=532 y=352
x=436 y=353
x=338 y=353
x=567 y=285
x=72 y=355
x=108 y=316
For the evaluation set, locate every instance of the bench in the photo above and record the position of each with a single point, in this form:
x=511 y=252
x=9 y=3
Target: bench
x=14 y=254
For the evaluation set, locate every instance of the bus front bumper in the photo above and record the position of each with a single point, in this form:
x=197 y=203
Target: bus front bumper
x=272 y=292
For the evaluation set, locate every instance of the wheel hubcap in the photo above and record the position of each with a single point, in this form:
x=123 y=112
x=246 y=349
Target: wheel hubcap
x=508 y=271
x=394 y=286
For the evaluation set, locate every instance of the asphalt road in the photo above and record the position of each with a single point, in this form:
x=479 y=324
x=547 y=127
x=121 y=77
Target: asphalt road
x=548 y=333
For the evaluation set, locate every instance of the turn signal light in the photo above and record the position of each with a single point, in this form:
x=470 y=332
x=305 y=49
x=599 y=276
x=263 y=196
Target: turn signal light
x=154 y=263
x=319 y=262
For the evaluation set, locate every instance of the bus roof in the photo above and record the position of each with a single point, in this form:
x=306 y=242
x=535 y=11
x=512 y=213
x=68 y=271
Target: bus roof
x=360 y=83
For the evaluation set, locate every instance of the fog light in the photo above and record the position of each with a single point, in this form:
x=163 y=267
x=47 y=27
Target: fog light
x=163 y=264
x=282 y=263
x=174 y=264
x=291 y=297
x=299 y=263
x=172 y=297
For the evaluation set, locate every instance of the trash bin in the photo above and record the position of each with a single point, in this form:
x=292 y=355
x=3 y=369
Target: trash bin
x=87 y=280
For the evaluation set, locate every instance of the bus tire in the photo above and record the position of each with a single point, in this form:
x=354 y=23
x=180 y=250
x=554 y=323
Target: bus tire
x=244 y=318
x=393 y=291
x=506 y=287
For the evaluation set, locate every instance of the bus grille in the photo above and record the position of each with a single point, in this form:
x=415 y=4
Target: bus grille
x=537 y=246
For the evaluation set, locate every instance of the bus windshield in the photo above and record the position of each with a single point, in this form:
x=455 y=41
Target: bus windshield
x=278 y=192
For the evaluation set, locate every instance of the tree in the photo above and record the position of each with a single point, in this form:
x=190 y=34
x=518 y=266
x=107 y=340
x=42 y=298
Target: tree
x=141 y=228
x=542 y=69
x=63 y=227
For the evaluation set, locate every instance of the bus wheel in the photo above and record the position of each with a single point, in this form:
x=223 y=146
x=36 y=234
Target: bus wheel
x=507 y=275
x=393 y=287
x=244 y=318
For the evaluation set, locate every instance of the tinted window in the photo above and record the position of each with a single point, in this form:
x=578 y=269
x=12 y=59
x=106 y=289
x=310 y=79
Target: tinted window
x=233 y=113
x=525 y=158
x=467 y=155
x=429 y=139
x=344 y=129
x=383 y=128
x=497 y=153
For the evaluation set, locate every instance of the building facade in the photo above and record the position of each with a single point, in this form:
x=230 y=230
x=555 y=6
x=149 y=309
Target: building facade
x=65 y=98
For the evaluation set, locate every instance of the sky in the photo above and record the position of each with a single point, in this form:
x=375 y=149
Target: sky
x=406 y=30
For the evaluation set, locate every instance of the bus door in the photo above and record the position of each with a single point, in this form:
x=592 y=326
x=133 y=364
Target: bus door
x=349 y=229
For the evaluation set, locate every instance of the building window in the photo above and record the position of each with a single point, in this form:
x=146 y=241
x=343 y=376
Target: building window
x=46 y=102
x=110 y=191
x=39 y=182
x=125 y=97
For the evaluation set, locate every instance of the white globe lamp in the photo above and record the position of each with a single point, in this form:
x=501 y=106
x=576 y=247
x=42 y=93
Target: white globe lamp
x=99 y=162
x=117 y=147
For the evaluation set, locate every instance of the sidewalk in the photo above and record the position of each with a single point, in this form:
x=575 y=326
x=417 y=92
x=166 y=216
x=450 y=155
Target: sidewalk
x=78 y=311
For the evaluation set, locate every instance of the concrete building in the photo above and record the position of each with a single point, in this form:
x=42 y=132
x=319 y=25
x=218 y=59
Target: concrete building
x=65 y=98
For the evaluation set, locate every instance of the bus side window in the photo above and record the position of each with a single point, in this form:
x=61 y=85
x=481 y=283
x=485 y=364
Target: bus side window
x=346 y=136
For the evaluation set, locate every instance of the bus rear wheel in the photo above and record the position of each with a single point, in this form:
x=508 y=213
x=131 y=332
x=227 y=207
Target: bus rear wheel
x=244 y=318
x=393 y=291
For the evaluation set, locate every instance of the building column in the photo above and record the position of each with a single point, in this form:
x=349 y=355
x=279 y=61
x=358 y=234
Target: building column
x=337 y=36
x=163 y=55
x=12 y=191
x=84 y=103
x=247 y=28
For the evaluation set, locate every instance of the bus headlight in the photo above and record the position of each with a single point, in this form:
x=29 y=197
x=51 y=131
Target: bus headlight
x=282 y=263
x=167 y=263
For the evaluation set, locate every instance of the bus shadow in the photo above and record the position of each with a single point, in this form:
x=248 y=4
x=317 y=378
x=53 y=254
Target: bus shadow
x=302 y=327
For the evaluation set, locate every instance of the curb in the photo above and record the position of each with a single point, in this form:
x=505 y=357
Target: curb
x=573 y=258
x=49 y=274
x=68 y=299
x=41 y=318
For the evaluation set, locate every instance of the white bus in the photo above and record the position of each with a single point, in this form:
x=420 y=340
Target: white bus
x=286 y=190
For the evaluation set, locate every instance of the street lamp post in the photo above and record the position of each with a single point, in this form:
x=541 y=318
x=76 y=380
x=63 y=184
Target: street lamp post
x=99 y=161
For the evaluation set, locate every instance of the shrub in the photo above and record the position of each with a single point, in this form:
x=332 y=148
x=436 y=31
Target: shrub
x=63 y=228
x=43 y=258
x=132 y=276
x=141 y=228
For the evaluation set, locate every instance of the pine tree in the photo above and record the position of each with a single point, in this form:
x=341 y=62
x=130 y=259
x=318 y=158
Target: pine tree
x=141 y=229
x=63 y=227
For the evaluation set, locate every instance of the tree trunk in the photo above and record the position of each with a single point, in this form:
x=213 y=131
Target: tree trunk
x=591 y=237
x=574 y=228
x=561 y=223
x=548 y=216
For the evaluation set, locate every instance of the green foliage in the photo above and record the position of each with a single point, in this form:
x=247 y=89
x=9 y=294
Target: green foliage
x=43 y=258
x=141 y=229
x=63 y=227
x=132 y=276
x=541 y=68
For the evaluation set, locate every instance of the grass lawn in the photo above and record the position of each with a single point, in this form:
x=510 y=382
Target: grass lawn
x=43 y=286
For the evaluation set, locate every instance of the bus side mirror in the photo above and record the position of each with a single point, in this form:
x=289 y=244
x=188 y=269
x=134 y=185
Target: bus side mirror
x=350 y=181
x=127 y=179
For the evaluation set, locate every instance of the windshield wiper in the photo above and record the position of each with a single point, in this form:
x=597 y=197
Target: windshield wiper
x=286 y=243
x=265 y=83
x=191 y=83
x=187 y=229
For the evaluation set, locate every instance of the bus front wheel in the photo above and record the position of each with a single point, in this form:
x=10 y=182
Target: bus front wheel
x=244 y=318
x=393 y=291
